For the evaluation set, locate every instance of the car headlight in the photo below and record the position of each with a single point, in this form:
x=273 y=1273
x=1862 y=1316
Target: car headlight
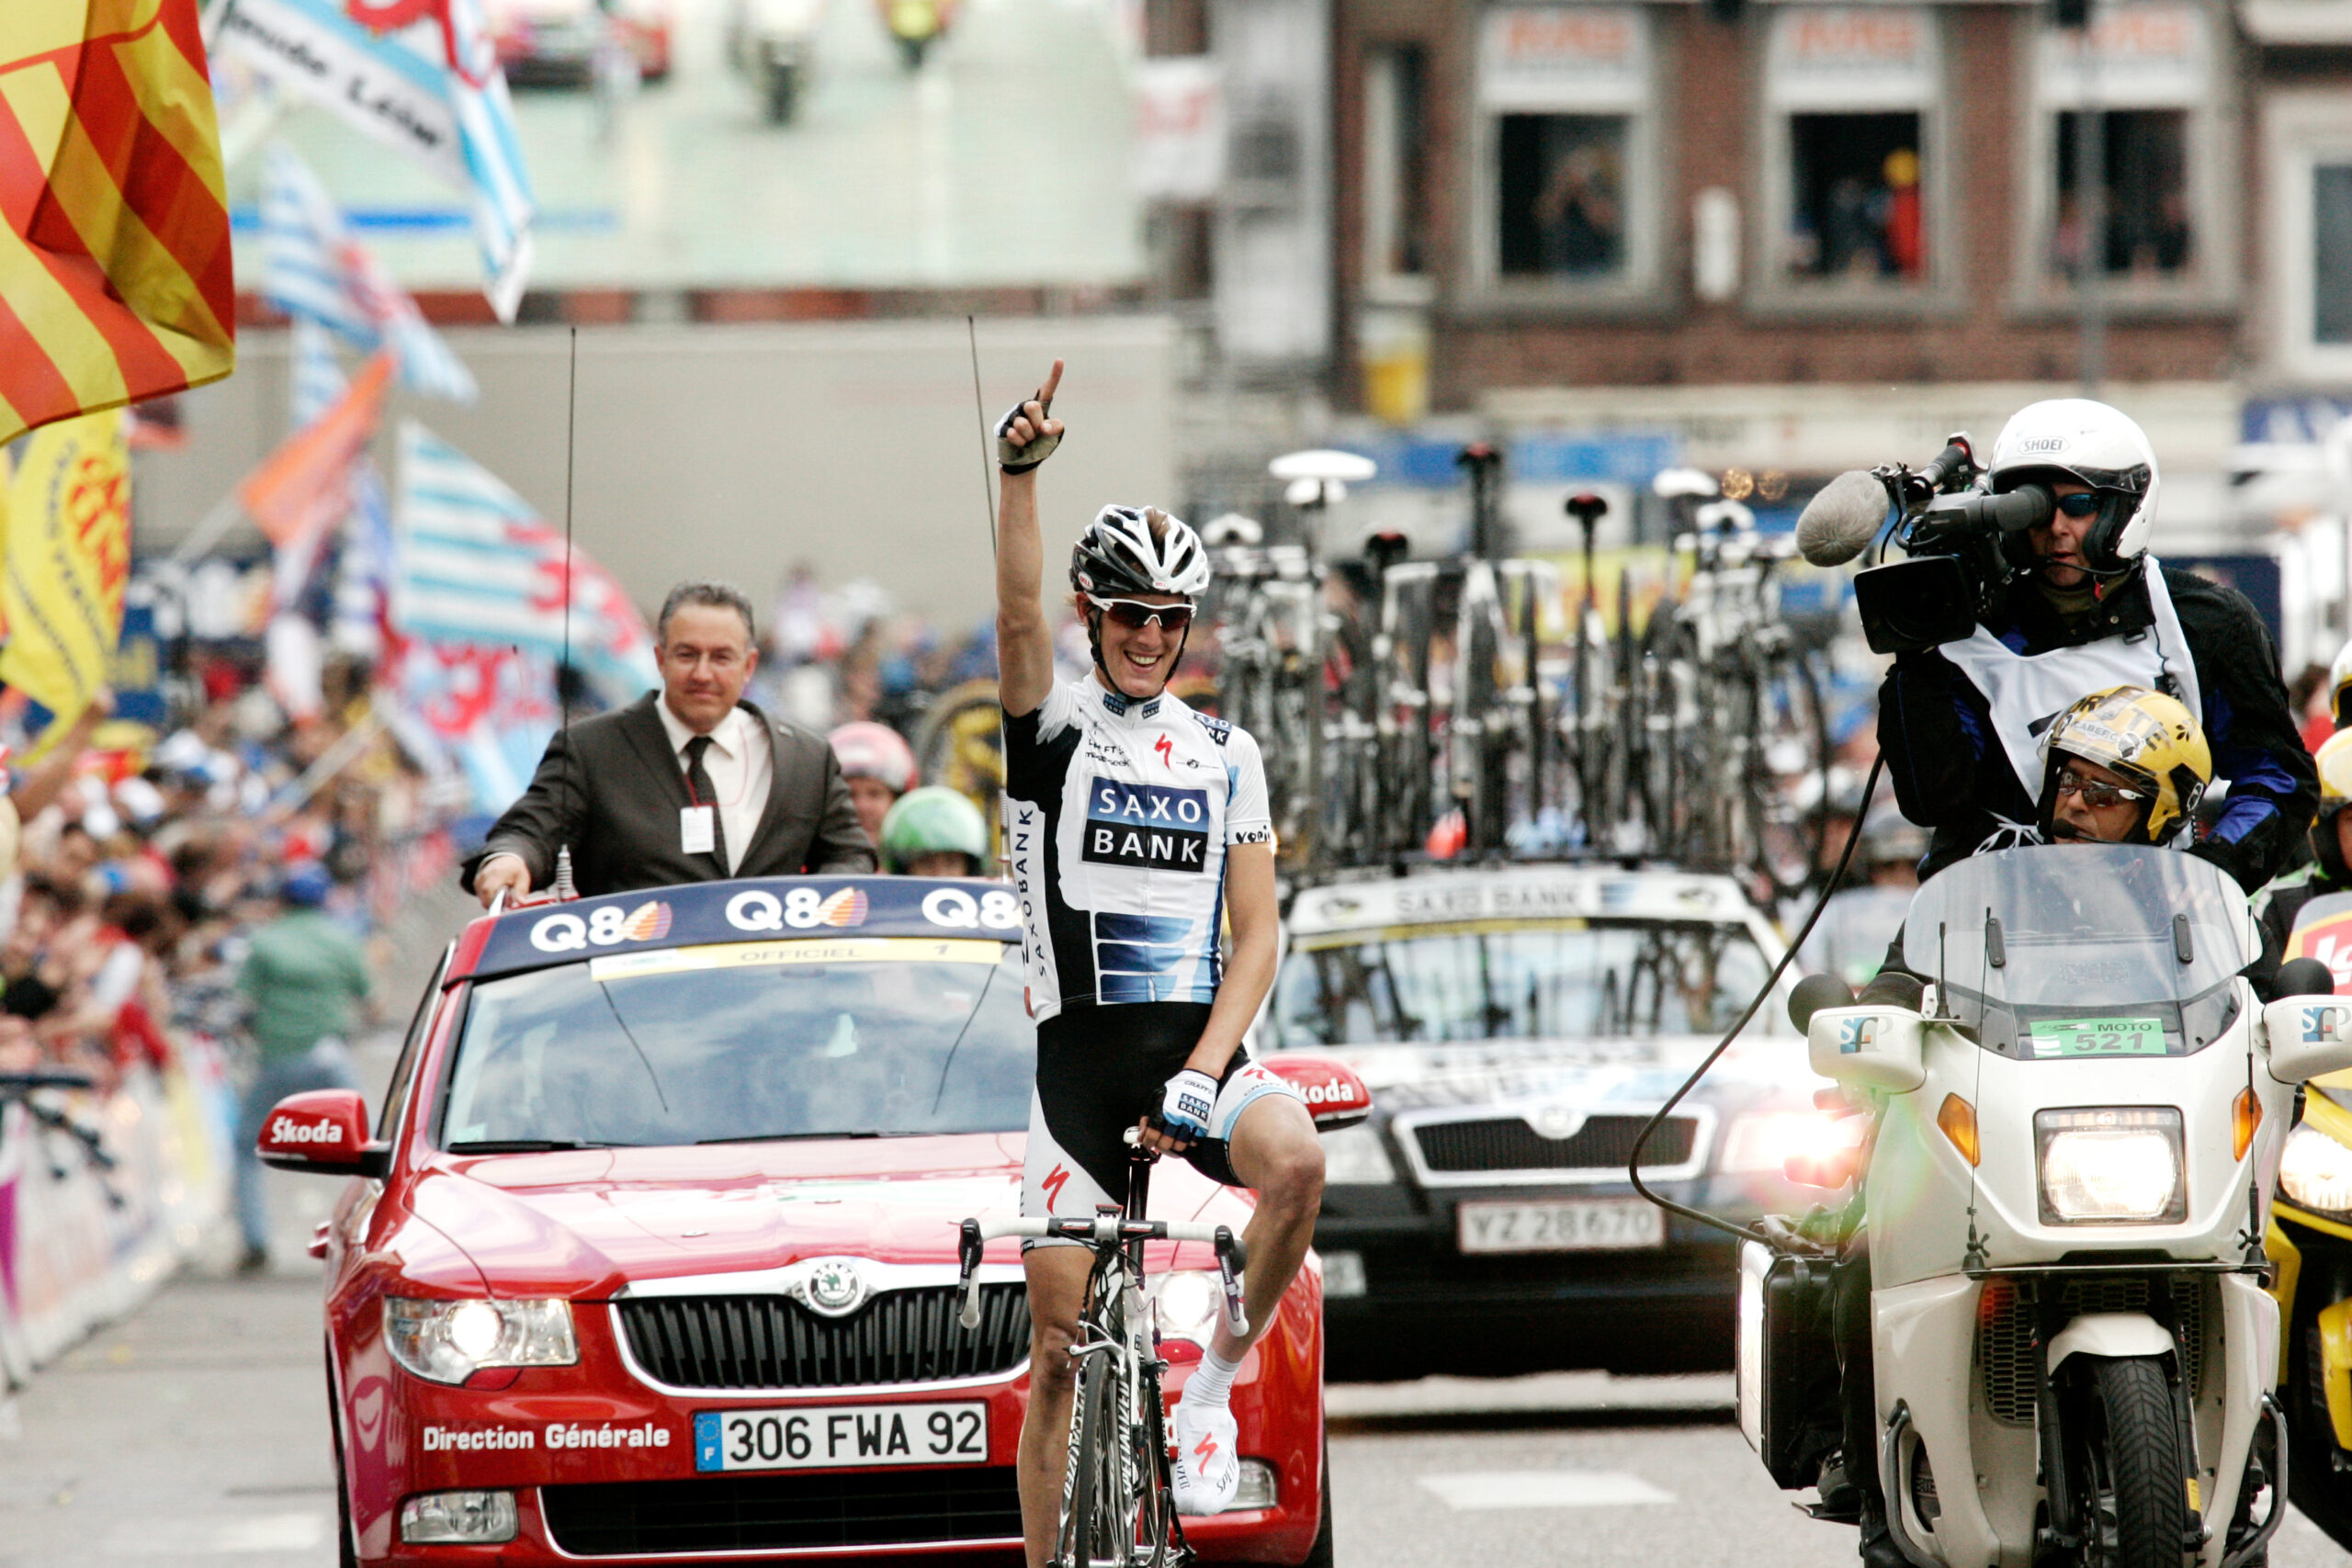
x=450 y=1341
x=2119 y=1165
x=1185 y=1304
x=1355 y=1156
x=2316 y=1171
x=1765 y=1140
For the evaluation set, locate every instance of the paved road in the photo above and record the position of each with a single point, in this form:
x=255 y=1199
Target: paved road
x=195 y=1433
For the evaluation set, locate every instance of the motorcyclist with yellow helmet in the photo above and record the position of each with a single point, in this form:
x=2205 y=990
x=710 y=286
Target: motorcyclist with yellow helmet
x=2330 y=869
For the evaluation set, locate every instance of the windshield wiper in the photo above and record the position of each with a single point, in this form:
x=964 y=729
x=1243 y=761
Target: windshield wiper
x=528 y=1146
x=800 y=1137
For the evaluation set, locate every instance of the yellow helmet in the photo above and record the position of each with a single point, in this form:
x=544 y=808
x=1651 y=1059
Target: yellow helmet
x=2147 y=738
x=2333 y=760
x=2339 y=687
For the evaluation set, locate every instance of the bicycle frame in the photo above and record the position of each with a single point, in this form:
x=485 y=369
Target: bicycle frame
x=1118 y=1506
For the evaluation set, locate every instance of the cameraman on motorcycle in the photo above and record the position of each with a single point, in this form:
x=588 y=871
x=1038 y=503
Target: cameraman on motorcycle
x=2122 y=766
x=2089 y=610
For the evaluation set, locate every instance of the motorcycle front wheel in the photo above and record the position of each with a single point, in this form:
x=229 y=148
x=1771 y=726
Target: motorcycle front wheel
x=2131 y=1449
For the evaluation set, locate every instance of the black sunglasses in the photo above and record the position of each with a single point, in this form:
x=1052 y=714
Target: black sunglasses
x=2082 y=503
x=1135 y=613
x=2098 y=797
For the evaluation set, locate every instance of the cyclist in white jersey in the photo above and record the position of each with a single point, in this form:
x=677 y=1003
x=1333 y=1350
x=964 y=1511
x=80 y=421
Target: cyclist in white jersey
x=1136 y=829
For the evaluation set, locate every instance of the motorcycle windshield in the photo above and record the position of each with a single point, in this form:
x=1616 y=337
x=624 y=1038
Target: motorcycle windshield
x=2076 y=949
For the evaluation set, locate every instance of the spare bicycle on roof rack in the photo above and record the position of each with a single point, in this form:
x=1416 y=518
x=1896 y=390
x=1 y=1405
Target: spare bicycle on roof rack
x=1470 y=705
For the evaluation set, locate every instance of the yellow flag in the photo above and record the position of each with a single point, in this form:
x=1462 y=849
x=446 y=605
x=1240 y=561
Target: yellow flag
x=68 y=558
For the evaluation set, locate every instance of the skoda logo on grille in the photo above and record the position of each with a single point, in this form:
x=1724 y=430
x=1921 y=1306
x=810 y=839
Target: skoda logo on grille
x=834 y=1286
x=1557 y=1121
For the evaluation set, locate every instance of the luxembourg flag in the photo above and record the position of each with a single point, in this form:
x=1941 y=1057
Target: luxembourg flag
x=478 y=567
x=315 y=272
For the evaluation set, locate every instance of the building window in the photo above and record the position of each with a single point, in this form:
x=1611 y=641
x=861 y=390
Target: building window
x=2307 y=173
x=1853 y=97
x=1561 y=196
x=1566 y=206
x=2147 y=77
x=1395 y=170
x=2143 y=193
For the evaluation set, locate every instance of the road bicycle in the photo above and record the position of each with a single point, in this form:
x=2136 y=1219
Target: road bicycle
x=1271 y=641
x=1118 y=1498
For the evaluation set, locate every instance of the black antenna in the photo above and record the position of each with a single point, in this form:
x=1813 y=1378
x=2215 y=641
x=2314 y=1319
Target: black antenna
x=564 y=887
x=980 y=406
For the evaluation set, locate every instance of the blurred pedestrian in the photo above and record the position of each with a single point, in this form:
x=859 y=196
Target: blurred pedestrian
x=305 y=977
x=878 y=766
x=934 y=832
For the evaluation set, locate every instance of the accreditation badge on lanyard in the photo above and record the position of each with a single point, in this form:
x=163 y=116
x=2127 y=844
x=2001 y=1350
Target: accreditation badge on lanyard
x=697 y=830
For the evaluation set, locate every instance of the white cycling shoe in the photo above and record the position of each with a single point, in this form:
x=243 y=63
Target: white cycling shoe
x=1207 y=1471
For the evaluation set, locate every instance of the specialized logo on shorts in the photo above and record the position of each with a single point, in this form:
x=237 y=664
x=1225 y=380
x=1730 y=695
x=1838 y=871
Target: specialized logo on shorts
x=1154 y=825
x=1052 y=1186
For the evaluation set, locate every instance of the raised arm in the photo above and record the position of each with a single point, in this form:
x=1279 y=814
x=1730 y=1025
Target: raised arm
x=1024 y=645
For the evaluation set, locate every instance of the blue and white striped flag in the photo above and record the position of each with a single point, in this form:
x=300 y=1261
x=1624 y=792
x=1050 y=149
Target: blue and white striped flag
x=478 y=567
x=502 y=186
x=314 y=271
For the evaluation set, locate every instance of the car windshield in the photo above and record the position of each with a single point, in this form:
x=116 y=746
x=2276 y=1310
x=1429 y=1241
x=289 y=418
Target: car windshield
x=746 y=1041
x=1524 y=981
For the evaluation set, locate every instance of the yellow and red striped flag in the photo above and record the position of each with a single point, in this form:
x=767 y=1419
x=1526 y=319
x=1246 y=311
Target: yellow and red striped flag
x=115 y=281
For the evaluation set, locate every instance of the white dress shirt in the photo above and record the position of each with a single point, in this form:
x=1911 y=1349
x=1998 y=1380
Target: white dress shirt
x=741 y=765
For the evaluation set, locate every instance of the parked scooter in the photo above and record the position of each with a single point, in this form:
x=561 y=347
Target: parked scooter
x=2309 y=1241
x=2070 y=1151
x=917 y=25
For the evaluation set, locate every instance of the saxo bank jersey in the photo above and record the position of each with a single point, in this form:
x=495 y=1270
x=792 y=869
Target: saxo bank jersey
x=1117 y=817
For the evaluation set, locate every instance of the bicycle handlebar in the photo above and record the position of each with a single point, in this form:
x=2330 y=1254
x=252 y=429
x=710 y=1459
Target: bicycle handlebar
x=1099 y=1231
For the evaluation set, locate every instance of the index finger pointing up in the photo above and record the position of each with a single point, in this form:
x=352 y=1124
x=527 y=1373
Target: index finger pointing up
x=1052 y=379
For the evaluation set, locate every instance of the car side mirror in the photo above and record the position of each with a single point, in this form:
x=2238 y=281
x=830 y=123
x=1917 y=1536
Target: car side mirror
x=323 y=1130
x=1335 y=1096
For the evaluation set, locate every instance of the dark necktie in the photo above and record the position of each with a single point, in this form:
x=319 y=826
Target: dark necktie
x=699 y=787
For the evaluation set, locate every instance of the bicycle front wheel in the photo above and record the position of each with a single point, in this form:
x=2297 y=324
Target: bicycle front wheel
x=1090 y=1485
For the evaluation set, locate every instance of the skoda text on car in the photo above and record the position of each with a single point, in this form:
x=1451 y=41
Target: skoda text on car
x=1517 y=1027
x=655 y=1251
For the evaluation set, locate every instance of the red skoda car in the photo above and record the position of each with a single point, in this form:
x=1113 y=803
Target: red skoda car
x=651 y=1254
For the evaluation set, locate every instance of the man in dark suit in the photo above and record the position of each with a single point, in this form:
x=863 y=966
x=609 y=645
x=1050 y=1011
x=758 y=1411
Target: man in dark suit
x=685 y=784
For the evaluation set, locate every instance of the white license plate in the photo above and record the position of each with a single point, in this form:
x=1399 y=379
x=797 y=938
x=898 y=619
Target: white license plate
x=1583 y=1225
x=842 y=1436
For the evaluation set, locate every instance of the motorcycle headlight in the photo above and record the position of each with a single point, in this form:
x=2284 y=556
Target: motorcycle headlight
x=2316 y=1171
x=450 y=1341
x=2119 y=1165
x=1767 y=1140
x=1185 y=1306
x=1356 y=1154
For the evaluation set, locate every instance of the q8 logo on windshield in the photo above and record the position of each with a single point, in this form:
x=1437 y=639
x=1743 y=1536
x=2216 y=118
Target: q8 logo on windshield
x=1856 y=1034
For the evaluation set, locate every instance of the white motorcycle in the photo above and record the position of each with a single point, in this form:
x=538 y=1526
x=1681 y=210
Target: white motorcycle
x=2065 y=1177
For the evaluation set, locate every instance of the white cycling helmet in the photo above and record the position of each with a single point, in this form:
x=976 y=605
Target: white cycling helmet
x=1138 y=549
x=2074 y=438
x=2339 y=687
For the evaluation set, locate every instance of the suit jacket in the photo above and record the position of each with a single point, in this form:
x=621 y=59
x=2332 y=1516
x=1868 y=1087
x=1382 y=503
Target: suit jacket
x=612 y=789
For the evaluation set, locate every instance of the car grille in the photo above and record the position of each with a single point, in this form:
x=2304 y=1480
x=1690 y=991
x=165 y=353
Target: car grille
x=2004 y=1329
x=899 y=1337
x=782 y=1513
x=1508 y=1142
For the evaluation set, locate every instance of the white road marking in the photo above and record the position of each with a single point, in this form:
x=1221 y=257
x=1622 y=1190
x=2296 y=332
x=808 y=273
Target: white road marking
x=220 y=1538
x=1542 y=1489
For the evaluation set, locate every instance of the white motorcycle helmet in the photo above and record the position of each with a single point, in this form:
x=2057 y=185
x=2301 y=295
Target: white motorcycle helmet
x=2074 y=438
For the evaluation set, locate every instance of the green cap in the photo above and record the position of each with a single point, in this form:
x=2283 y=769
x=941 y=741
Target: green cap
x=930 y=820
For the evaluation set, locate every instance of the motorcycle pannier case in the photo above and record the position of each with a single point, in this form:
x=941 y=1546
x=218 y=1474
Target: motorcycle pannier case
x=1787 y=1366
